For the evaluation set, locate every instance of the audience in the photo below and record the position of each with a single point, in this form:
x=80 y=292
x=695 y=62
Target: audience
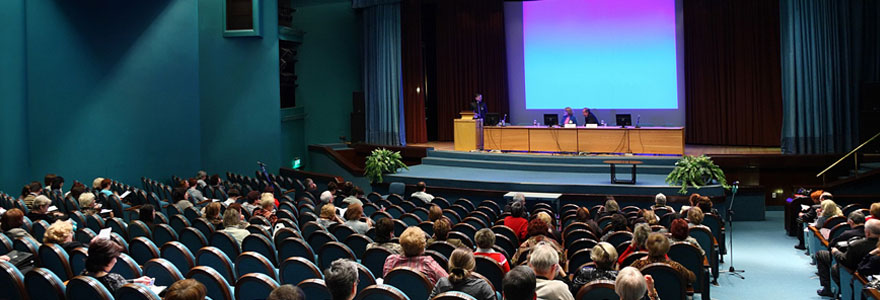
x=233 y=195
x=384 y=234
x=461 y=267
x=648 y=216
x=485 y=240
x=354 y=218
x=434 y=213
x=251 y=201
x=76 y=190
x=856 y=251
x=105 y=187
x=640 y=236
x=287 y=292
x=187 y=289
x=705 y=204
x=355 y=198
x=311 y=188
x=870 y=265
x=341 y=279
x=212 y=214
x=678 y=231
x=695 y=216
x=194 y=193
x=61 y=233
x=519 y=284
x=611 y=208
x=829 y=210
x=538 y=233
x=516 y=221
x=57 y=185
x=199 y=181
x=658 y=246
x=328 y=216
x=441 y=233
x=147 y=214
x=631 y=285
x=330 y=194
x=583 y=215
x=87 y=204
x=10 y=223
x=421 y=194
x=660 y=202
x=103 y=254
x=96 y=184
x=267 y=208
x=180 y=198
x=544 y=260
x=34 y=190
x=232 y=224
x=856 y=221
x=551 y=228
x=412 y=241
x=40 y=210
x=618 y=223
x=605 y=257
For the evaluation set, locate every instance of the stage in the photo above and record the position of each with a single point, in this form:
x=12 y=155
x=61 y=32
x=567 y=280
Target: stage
x=688 y=149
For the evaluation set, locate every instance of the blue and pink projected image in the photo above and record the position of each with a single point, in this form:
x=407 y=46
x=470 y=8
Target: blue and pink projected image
x=604 y=54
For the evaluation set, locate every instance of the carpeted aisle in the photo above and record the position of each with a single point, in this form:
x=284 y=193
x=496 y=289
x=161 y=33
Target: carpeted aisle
x=774 y=269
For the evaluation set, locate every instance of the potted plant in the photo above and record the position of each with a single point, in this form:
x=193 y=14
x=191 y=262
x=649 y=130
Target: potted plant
x=382 y=161
x=696 y=171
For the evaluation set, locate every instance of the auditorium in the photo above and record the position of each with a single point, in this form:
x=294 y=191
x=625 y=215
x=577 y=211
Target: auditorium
x=440 y=149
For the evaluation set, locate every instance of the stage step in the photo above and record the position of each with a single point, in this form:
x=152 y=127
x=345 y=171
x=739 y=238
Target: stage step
x=578 y=167
x=563 y=159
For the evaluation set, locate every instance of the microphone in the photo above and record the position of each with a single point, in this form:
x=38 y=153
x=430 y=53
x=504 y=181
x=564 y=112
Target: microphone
x=260 y=163
x=503 y=121
x=735 y=186
x=638 y=120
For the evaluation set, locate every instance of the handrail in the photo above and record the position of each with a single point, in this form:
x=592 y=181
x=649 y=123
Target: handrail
x=848 y=155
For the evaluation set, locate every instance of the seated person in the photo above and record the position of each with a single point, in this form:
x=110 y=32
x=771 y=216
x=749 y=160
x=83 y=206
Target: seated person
x=328 y=216
x=660 y=202
x=147 y=214
x=10 y=223
x=87 y=204
x=412 y=241
x=658 y=246
x=40 y=210
x=828 y=211
x=640 y=236
x=589 y=117
x=181 y=199
x=194 y=193
x=33 y=190
x=384 y=234
x=232 y=224
x=631 y=285
x=538 y=233
x=611 y=208
x=434 y=213
x=551 y=229
x=251 y=201
x=267 y=208
x=330 y=194
x=854 y=254
x=460 y=279
x=356 y=197
x=187 y=289
x=519 y=284
x=61 y=233
x=102 y=257
x=694 y=217
x=618 y=223
x=441 y=233
x=583 y=215
x=105 y=187
x=212 y=214
x=516 y=220
x=341 y=279
x=485 y=240
x=605 y=257
x=287 y=292
x=678 y=231
x=544 y=260
x=354 y=218
x=568 y=117
x=421 y=194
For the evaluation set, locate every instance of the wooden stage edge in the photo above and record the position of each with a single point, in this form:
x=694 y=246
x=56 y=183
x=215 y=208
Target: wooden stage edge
x=688 y=149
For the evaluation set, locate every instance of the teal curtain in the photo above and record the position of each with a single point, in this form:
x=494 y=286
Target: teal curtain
x=829 y=48
x=382 y=71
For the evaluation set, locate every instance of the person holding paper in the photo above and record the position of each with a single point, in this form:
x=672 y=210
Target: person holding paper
x=568 y=117
x=41 y=210
x=589 y=117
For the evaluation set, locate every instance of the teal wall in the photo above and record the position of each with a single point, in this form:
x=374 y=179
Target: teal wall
x=329 y=68
x=112 y=88
x=239 y=93
x=13 y=96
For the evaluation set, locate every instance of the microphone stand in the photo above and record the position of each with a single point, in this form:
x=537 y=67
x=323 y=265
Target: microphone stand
x=730 y=212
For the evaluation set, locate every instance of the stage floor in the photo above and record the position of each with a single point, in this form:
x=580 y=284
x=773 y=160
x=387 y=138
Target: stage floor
x=688 y=149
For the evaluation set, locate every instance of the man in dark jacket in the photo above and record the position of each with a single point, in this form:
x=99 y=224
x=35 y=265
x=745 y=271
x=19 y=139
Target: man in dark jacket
x=855 y=252
x=856 y=221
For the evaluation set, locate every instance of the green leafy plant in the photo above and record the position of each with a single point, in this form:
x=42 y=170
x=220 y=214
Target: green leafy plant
x=383 y=161
x=696 y=171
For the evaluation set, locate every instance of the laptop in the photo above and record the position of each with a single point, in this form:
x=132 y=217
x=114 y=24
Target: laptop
x=624 y=120
x=551 y=119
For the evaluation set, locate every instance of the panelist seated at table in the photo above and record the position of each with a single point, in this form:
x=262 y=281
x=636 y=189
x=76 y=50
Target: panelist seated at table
x=568 y=117
x=589 y=117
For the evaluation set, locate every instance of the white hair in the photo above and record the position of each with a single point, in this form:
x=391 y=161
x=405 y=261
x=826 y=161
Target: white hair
x=519 y=197
x=543 y=258
x=630 y=284
x=660 y=199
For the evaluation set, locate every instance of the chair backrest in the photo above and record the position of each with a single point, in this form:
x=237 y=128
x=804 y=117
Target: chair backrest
x=5 y=243
x=507 y=232
x=191 y=213
x=214 y=258
x=78 y=259
x=163 y=233
x=118 y=225
x=12 y=282
x=413 y=283
x=577 y=259
x=342 y=231
x=374 y=259
x=262 y=245
x=319 y=238
x=136 y=291
x=55 y=259
x=442 y=247
x=127 y=267
x=490 y=268
x=253 y=262
x=29 y=245
x=39 y=229
x=453 y=295
x=179 y=255
x=365 y=278
x=284 y=233
x=597 y=290
x=84 y=235
x=332 y=251
x=178 y=222
x=87 y=288
x=203 y=225
x=358 y=244
x=218 y=288
x=163 y=271
x=690 y=257
x=193 y=238
x=254 y=286
x=296 y=247
x=296 y=269
x=667 y=281
x=94 y=222
x=632 y=257
x=315 y=289
x=427 y=227
x=579 y=244
x=142 y=249
x=703 y=236
x=837 y=230
x=43 y=284
x=464 y=239
x=619 y=237
x=138 y=228
x=226 y=243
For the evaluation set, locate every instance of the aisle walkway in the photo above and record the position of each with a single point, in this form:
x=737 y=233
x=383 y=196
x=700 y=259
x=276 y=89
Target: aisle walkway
x=774 y=269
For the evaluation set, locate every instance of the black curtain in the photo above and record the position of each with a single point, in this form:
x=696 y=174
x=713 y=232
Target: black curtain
x=732 y=72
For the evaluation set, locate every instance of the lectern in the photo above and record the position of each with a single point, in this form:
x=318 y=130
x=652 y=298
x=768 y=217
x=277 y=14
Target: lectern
x=468 y=132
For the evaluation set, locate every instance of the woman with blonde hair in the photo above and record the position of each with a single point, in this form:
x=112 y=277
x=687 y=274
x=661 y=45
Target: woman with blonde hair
x=267 y=208
x=461 y=278
x=412 y=242
x=605 y=256
x=328 y=216
x=61 y=233
x=87 y=204
x=829 y=210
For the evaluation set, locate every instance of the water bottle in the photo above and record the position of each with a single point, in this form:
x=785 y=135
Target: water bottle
x=535 y=122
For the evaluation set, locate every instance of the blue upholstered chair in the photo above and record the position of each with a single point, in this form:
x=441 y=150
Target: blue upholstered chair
x=12 y=282
x=260 y=244
x=332 y=251
x=142 y=249
x=226 y=243
x=374 y=260
x=214 y=258
x=218 y=288
x=179 y=255
x=296 y=247
x=127 y=267
x=135 y=291
x=163 y=271
x=358 y=244
x=253 y=262
x=86 y=288
x=163 y=233
x=43 y=284
x=315 y=289
x=668 y=282
x=254 y=286
x=597 y=290
x=382 y=292
x=55 y=259
x=413 y=283
x=192 y=238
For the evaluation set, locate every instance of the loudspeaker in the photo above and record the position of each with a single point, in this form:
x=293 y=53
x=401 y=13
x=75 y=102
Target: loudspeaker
x=358 y=117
